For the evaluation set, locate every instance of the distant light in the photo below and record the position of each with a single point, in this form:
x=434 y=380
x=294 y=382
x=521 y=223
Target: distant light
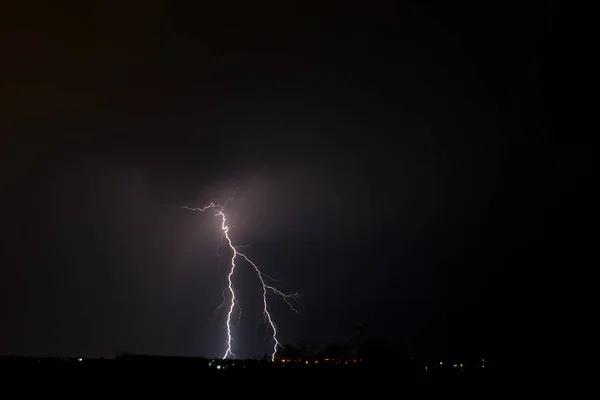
x=461 y=365
x=306 y=362
x=80 y=359
x=441 y=363
x=218 y=367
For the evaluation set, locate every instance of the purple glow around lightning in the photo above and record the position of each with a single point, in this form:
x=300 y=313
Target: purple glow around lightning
x=261 y=276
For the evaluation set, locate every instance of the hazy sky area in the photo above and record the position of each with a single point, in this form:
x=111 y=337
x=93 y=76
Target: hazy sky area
x=386 y=164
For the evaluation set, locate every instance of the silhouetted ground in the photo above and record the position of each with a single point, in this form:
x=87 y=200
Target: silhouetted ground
x=340 y=373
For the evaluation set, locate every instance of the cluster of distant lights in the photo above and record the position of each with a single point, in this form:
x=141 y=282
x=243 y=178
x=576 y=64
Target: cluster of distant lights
x=39 y=360
x=461 y=366
x=221 y=364
x=218 y=366
x=327 y=360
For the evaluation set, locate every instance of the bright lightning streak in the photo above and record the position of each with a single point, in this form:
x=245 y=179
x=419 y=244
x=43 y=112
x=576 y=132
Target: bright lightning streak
x=233 y=300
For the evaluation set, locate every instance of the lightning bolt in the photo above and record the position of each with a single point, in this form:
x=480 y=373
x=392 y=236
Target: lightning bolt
x=219 y=212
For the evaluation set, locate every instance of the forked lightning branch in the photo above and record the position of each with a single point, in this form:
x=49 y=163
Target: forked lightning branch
x=236 y=255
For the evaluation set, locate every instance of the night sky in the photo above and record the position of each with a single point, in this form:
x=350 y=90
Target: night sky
x=386 y=163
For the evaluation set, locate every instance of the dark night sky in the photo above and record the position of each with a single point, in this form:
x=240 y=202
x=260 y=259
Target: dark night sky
x=388 y=165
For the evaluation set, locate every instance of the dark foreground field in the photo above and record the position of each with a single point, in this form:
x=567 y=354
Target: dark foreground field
x=349 y=374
